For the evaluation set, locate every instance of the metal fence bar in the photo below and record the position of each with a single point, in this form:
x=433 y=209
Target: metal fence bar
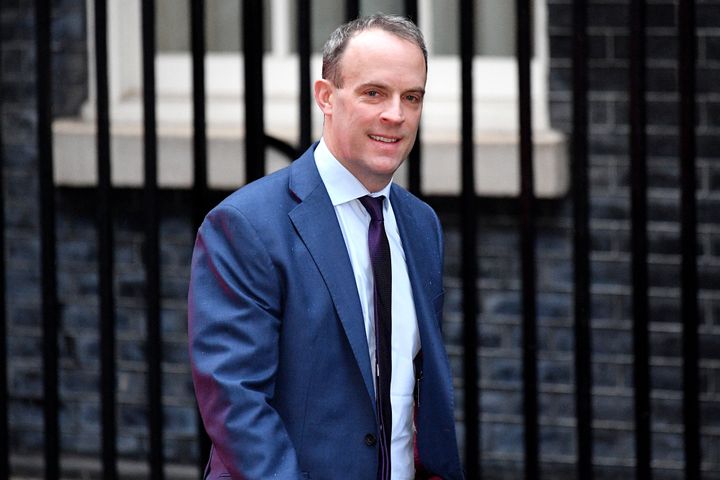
x=153 y=346
x=352 y=9
x=256 y=143
x=304 y=40
x=50 y=317
x=527 y=240
x=581 y=244
x=415 y=158
x=200 y=194
x=4 y=393
x=411 y=11
x=688 y=218
x=254 y=97
x=638 y=179
x=469 y=270
x=105 y=248
x=200 y=176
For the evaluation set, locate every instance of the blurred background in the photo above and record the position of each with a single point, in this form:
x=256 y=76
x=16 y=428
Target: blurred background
x=570 y=149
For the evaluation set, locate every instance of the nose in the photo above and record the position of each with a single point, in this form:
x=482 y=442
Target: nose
x=393 y=112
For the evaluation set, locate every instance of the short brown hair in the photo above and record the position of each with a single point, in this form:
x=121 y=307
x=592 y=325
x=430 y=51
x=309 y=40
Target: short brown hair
x=335 y=45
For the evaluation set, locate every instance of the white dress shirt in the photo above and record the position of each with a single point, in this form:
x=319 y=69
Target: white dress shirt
x=344 y=190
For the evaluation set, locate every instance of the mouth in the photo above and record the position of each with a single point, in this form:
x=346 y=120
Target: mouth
x=379 y=138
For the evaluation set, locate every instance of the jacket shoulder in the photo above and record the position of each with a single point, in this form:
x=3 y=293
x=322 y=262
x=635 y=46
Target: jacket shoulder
x=276 y=191
x=410 y=202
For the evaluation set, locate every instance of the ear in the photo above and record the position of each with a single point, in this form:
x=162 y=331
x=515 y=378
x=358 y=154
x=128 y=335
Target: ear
x=324 y=95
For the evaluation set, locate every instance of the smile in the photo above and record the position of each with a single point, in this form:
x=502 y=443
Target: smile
x=384 y=139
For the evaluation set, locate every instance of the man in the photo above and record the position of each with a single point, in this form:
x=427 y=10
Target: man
x=316 y=292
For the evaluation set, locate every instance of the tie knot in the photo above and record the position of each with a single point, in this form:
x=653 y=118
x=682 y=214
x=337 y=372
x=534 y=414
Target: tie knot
x=374 y=206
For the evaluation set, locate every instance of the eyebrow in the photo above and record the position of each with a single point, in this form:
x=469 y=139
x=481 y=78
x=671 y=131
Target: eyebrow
x=386 y=87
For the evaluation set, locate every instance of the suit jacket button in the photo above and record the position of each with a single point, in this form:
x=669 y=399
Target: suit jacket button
x=370 y=440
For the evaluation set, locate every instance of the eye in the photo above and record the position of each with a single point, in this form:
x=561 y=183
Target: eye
x=372 y=93
x=413 y=98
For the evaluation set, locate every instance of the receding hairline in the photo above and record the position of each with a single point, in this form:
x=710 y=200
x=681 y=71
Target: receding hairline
x=395 y=25
x=359 y=33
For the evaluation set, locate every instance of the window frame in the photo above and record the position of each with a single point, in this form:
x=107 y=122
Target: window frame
x=494 y=84
x=495 y=102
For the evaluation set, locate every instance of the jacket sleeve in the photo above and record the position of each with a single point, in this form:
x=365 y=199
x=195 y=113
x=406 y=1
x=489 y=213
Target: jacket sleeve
x=234 y=317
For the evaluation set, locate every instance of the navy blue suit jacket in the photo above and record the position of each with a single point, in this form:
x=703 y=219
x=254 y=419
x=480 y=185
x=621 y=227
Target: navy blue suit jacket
x=277 y=341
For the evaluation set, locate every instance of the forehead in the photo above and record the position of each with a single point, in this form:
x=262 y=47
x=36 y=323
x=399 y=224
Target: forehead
x=377 y=52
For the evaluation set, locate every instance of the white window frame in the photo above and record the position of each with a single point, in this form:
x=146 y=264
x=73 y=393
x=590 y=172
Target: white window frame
x=495 y=101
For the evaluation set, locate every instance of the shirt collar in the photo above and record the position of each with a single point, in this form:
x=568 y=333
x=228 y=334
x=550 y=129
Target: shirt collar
x=341 y=185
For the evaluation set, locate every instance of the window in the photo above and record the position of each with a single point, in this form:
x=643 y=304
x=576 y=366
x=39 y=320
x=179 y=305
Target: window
x=495 y=90
x=494 y=26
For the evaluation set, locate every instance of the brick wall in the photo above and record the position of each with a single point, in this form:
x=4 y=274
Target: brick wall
x=610 y=233
x=22 y=245
x=499 y=285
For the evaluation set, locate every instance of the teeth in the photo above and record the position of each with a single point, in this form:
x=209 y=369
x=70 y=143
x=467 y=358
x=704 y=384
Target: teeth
x=383 y=139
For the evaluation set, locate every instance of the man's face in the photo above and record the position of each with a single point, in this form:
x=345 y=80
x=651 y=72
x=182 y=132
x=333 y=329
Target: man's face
x=372 y=121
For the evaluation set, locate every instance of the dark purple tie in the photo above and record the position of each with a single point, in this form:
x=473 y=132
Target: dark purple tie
x=382 y=294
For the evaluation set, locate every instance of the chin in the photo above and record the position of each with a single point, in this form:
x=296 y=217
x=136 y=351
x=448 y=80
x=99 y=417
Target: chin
x=388 y=167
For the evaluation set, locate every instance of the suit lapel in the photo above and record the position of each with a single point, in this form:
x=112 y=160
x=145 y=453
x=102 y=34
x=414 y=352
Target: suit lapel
x=434 y=420
x=316 y=223
x=416 y=250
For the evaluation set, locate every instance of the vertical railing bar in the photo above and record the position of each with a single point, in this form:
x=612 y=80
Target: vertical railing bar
x=412 y=11
x=469 y=270
x=415 y=157
x=105 y=247
x=200 y=200
x=527 y=241
x=304 y=55
x=50 y=317
x=4 y=393
x=688 y=210
x=253 y=52
x=638 y=176
x=352 y=9
x=581 y=247
x=200 y=180
x=152 y=248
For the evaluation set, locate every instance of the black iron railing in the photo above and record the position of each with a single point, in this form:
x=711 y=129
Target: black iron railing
x=153 y=348
x=4 y=403
x=638 y=173
x=50 y=311
x=687 y=56
x=471 y=374
x=105 y=249
x=581 y=242
x=257 y=141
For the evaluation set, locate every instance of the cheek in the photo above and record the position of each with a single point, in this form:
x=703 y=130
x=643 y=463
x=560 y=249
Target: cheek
x=364 y=115
x=414 y=116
